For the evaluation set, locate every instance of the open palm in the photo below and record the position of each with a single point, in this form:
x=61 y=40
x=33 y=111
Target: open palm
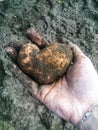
x=73 y=94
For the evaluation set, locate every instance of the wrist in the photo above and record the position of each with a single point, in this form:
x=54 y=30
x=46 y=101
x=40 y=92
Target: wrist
x=89 y=120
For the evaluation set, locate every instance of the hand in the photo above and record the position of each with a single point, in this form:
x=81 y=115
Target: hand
x=73 y=94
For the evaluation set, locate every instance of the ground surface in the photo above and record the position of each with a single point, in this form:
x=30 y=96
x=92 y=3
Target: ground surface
x=76 y=20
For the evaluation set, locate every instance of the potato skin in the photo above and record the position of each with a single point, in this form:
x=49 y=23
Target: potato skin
x=46 y=65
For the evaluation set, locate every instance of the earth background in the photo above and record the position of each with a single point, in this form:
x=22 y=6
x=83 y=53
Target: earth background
x=76 y=20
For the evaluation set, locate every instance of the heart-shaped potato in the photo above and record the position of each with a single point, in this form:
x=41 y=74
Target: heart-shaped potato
x=45 y=65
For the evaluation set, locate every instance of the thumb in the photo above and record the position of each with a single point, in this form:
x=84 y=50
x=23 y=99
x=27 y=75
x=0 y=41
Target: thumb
x=77 y=52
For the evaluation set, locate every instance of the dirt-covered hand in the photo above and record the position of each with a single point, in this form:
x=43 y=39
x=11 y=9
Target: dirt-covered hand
x=73 y=94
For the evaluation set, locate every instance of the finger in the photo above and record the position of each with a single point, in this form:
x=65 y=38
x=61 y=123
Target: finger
x=12 y=49
x=12 y=53
x=17 y=44
x=36 y=38
x=78 y=54
x=28 y=83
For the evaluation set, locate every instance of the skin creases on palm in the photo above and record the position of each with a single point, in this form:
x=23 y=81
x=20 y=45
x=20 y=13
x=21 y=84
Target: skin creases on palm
x=72 y=95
